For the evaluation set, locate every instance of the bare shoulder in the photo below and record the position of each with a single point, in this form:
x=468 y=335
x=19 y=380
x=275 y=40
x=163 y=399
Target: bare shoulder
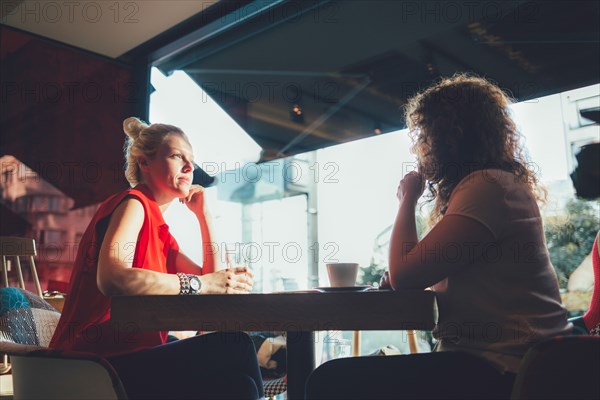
x=129 y=212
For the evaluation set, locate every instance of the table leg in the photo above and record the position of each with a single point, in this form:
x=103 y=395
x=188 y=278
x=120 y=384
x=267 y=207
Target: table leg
x=412 y=342
x=356 y=344
x=300 y=362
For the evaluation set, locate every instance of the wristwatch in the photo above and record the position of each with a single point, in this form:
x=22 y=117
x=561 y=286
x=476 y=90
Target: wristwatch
x=189 y=284
x=195 y=284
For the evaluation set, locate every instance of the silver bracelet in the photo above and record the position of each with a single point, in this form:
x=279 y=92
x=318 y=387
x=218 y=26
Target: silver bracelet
x=184 y=283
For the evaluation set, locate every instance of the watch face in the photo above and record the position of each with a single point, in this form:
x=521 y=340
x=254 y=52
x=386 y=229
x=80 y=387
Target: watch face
x=195 y=284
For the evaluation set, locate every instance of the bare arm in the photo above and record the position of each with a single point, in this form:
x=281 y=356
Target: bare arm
x=404 y=234
x=186 y=265
x=454 y=243
x=195 y=202
x=210 y=250
x=115 y=275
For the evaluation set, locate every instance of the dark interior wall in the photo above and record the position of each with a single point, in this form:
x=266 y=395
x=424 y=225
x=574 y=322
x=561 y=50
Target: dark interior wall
x=61 y=113
x=11 y=224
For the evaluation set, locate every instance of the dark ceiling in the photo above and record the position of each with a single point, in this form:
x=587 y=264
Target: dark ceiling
x=348 y=65
x=351 y=65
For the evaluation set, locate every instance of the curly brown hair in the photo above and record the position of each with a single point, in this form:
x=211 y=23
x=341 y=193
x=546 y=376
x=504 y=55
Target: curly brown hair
x=460 y=125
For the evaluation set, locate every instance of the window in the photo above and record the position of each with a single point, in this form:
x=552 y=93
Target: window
x=51 y=237
x=55 y=204
x=356 y=185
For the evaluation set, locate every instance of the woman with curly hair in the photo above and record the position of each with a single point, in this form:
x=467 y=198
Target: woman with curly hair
x=485 y=256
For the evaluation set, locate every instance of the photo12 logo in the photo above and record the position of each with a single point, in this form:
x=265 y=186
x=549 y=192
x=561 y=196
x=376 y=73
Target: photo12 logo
x=55 y=92
x=52 y=12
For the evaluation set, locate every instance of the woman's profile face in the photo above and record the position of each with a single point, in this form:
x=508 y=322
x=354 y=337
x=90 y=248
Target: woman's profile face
x=171 y=169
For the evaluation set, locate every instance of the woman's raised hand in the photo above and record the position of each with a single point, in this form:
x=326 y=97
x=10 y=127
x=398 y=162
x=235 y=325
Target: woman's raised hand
x=411 y=187
x=236 y=280
x=195 y=199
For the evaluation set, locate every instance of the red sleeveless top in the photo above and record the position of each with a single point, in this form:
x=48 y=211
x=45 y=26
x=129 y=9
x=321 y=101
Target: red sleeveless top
x=85 y=321
x=592 y=316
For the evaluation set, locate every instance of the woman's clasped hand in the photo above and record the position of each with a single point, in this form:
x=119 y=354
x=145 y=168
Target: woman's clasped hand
x=235 y=280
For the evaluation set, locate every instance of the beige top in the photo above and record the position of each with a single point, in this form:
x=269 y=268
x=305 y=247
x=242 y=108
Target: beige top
x=508 y=299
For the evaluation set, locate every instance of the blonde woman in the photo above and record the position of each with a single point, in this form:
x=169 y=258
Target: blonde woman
x=127 y=250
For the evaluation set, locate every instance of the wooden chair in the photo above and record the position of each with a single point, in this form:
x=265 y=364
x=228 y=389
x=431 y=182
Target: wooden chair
x=17 y=247
x=356 y=342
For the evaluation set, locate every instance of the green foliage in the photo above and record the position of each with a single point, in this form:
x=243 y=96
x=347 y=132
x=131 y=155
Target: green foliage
x=570 y=237
x=372 y=274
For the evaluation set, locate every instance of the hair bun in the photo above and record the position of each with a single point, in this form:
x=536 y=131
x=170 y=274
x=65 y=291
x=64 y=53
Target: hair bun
x=132 y=127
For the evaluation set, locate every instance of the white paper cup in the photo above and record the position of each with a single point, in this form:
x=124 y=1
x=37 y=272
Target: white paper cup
x=342 y=274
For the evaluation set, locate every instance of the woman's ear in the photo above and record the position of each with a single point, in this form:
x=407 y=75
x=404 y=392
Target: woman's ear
x=143 y=164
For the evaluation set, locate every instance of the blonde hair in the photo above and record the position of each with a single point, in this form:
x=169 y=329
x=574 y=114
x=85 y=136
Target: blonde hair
x=143 y=140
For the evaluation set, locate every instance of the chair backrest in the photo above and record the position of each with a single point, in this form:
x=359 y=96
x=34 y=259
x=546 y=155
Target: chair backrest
x=27 y=324
x=16 y=247
x=566 y=367
x=40 y=373
x=64 y=378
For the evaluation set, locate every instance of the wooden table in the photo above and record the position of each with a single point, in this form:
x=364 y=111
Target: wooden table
x=299 y=314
